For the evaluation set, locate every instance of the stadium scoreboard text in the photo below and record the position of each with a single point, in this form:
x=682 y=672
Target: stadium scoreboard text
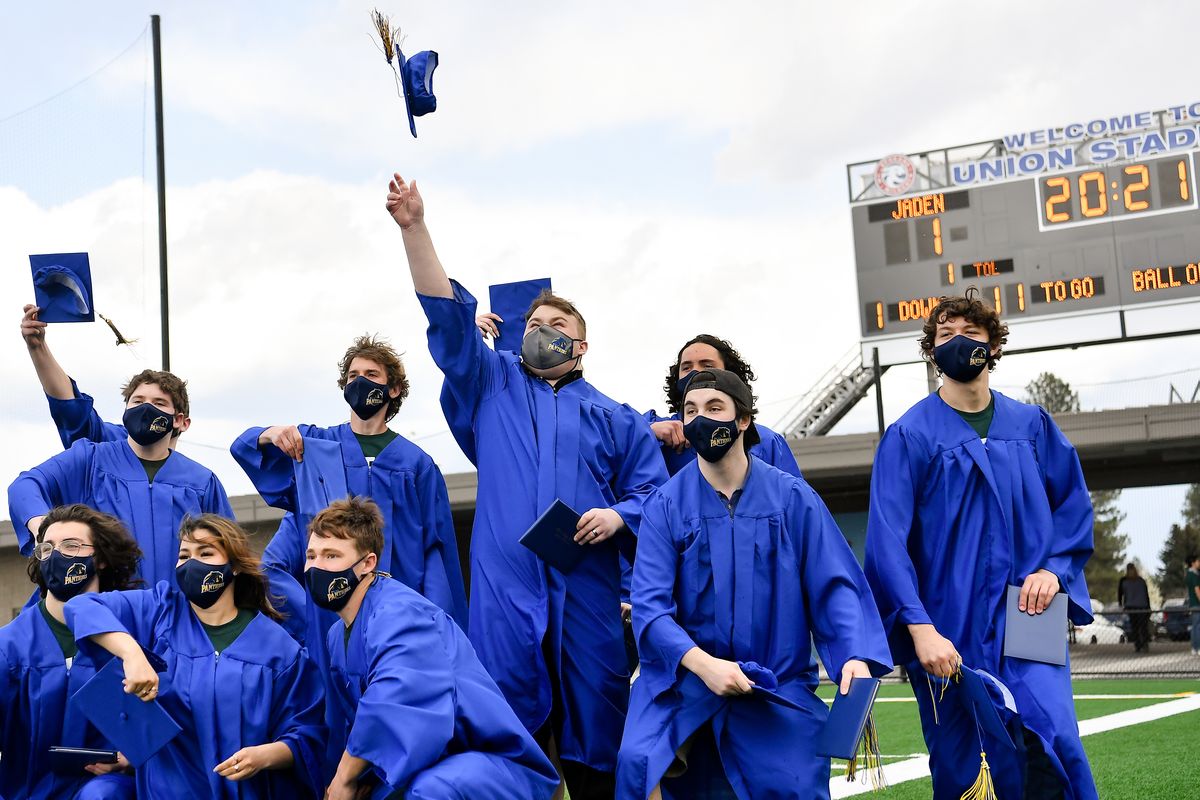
x=1098 y=237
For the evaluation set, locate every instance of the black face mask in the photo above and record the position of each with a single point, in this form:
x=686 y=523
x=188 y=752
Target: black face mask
x=203 y=584
x=547 y=348
x=147 y=424
x=684 y=380
x=366 y=397
x=67 y=576
x=711 y=438
x=332 y=590
x=962 y=358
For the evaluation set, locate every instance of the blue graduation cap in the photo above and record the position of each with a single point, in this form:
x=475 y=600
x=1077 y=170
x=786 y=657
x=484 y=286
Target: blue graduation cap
x=981 y=692
x=766 y=685
x=62 y=287
x=416 y=77
x=137 y=728
x=510 y=301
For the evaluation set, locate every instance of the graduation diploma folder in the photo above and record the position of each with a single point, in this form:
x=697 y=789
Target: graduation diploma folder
x=552 y=537
x=72 y=760
x=1041 y=637
x=848 y=719
x=137 y=728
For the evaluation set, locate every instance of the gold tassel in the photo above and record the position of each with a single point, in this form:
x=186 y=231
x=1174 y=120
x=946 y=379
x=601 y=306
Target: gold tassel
x=872 y=761
x=386 y=32
x=120 y=339
x=983 y=788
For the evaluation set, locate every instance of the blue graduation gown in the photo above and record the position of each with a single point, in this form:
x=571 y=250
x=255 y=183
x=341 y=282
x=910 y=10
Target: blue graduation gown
x=77 y=419
x=536 y=445
x=420 y=545
x=108 y=477
x=953 y=522
x=260 y=689
x=35 y=715
x=759 y=584
x=408 y=694
x=771 y=448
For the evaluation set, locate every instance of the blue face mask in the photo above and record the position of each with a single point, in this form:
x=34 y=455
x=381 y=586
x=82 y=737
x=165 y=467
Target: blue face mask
x=366 y=397
x=332 y=590
x=203 y=584
x=147 y=424
x=684 y=380
x=67 y=576
x=711 y=438
x=962 y=358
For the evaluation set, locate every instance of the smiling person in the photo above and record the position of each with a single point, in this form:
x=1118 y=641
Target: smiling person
x=140 y=480
x=554 y=642
x=244 y=692
x=420 y=548
x=78 y=550
x=973 y=492
x=412 y=711
x=740 y=569
x=701 y=352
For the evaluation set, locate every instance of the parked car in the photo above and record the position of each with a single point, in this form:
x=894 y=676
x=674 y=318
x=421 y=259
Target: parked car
x=1176 y=620
x=1102 y=630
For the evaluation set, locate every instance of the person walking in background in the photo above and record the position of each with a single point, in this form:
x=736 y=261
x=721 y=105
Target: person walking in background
x=1193 y=599
x=1134 y=598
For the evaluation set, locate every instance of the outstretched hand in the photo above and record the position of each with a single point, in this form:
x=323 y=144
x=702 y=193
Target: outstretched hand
x=404 y=202
x=33 y=331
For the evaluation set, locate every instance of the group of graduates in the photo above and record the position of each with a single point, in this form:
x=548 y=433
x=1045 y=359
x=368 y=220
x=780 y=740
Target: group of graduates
x=346 y=662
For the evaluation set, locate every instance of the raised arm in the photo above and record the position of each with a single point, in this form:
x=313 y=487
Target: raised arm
x=52 y=376
x=405 y=205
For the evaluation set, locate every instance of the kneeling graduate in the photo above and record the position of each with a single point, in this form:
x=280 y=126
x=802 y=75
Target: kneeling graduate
x=739 y=568
x=412 y=713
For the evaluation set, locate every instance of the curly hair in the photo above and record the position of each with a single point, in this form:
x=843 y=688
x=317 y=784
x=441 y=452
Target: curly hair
x=116 y=552
x=731 y=360
x=357 y=519
x=378 y=350
x=972 y=309
x=250 y=585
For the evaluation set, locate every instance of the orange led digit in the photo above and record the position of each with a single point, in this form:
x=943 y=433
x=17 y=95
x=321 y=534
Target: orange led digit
x=937 y=236
x=1064 y=195
x=1021 y=296
x=1143 y=183
x=879 y=315
x=1085 y=207
x=1184 y=194
x=999 y=305
x=950 y=273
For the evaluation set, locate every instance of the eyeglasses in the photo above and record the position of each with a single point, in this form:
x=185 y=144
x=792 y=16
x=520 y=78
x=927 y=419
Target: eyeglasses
x=68 y=547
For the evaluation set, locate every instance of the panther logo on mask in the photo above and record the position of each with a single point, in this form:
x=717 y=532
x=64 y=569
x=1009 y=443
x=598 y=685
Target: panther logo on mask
x=375 y=397
x=720 y=437
x=338 y=588
x=76 y=573
x=978 y=357
x=213 y=582
x=160 y=425
x=561 y=345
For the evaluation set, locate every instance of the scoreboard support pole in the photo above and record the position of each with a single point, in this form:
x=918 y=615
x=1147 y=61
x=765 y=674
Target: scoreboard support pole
x=878 y=388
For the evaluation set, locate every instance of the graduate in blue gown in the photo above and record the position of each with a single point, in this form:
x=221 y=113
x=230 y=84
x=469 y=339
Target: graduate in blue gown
x=422 y=549
x=78 y=550
x=412 y=713
x=553 y=642
x=710 y=352
x=248 y=700
x=140 y=480
x=740 y=569
x=973 y=492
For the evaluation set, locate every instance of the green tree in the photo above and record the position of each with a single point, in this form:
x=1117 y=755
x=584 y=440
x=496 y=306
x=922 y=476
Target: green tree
x=1184 y=540
x=1104 y=569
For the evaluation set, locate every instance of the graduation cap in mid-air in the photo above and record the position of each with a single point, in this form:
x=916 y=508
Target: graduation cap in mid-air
x=415 y=75
x=62 y=287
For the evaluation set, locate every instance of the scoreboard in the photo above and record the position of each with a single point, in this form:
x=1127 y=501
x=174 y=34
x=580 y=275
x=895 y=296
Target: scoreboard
x=1095 y=239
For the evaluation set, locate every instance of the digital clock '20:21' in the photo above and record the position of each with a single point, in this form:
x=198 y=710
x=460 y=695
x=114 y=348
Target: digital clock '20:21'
x=1106 y=194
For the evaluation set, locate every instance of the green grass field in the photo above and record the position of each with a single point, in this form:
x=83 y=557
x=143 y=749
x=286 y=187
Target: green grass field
x=1148 y=761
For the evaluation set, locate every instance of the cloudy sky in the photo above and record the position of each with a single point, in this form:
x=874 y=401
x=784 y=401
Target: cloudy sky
x=676 y=167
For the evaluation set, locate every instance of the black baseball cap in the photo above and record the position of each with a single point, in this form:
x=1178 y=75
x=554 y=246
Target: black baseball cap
x=727 y=382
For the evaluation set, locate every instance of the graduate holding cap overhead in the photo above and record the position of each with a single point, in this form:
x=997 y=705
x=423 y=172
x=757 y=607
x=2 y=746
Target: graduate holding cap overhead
x=244 y=692
x=78 y=550
x=971 y=493
x=740 y=569
x=553 y=642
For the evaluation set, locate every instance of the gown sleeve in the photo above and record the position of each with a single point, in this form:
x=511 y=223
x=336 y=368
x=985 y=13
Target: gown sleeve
x=642 y=469
x=779 y=455
x=844 y=620
x=269 y=469
x=661 y=641
x=299 y=719
x=61 y=479
x=405 y=716
x=286 y=549
x=77 y=419
x=888 y=565
x=134 y=612
x=1071 y=512
x=470 y=366
x=443 y=582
